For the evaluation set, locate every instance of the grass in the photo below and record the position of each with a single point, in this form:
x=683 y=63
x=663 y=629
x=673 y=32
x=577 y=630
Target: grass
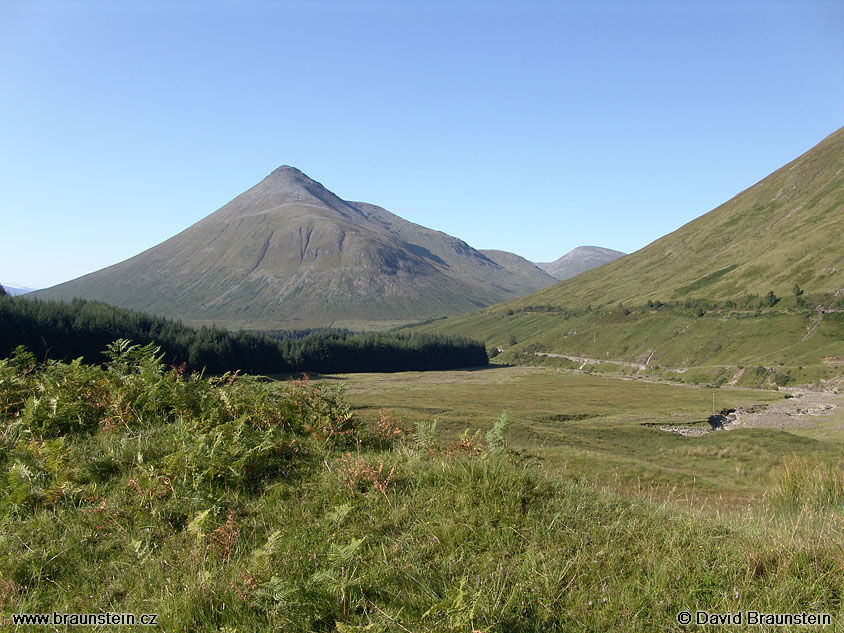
x=606 y=429
x=668 y=341
x=239 y=505
x=801 y=484
x=454 y=544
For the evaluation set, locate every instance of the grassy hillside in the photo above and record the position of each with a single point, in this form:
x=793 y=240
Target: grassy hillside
x=717 y=345
x=232 y=505
x=782 y=231
x=289 y=254
x=756 y=281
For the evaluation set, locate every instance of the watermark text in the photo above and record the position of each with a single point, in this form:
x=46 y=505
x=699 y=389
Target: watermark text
x=753 y=618
x=85 y=619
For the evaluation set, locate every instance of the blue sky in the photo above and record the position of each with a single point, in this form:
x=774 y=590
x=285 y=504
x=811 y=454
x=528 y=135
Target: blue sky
x=527 y=126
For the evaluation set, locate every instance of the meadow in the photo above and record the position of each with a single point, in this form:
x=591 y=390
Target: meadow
x=607 y=429
x=237 y=504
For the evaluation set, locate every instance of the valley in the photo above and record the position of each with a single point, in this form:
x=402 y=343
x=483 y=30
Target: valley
x=422 y=317
x=659 y=431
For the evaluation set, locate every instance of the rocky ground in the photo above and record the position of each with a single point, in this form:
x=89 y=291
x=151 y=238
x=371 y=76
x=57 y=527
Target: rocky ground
x=804 y=409
x=801 y=410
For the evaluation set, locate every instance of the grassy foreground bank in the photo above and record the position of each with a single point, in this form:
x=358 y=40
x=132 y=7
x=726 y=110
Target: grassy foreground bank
x=229 y=504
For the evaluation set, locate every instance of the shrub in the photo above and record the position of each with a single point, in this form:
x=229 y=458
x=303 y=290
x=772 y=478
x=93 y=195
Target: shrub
x=425 y=434
x=771 y=299
x=495 y=436
x=388 y=429
x=221 y=434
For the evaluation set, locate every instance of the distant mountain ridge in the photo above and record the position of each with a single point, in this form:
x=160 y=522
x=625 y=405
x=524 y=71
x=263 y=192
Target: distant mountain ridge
x=579 y=260
x=17 y=290
x=290 y=253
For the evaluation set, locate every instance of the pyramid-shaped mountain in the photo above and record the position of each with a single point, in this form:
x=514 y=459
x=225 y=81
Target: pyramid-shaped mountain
x=289 y=253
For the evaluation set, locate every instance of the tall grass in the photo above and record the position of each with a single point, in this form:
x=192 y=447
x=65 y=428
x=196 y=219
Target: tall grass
x=228 y=504
x=810 y=485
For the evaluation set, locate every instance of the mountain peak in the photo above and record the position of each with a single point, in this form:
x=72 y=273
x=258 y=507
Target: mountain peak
x=579 y=260
x=288 y=171
x=292 y=176
x=288 y=184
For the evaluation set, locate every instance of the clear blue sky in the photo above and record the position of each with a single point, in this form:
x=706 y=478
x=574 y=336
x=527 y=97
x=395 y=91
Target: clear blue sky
x=527 y=126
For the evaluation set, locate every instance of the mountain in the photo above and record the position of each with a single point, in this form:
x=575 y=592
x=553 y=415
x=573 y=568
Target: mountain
x=757 y=281
x=19 y=290
x=289 y=253
x=578 y=261
x=520 y=267
x=784 y=230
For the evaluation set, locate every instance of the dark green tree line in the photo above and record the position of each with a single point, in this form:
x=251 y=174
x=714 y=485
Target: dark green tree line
x=65 y=331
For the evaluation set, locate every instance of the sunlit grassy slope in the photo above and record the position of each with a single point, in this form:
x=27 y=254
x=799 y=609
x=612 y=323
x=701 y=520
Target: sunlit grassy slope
x=784 y=230
x=715 y=273
x=718 y=347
